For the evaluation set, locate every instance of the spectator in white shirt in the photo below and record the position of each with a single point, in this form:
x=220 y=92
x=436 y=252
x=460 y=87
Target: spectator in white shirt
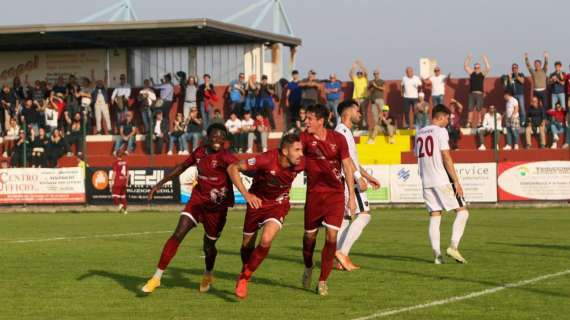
x=411 y=85
x=437 y=82
x=247 y=132
x=489 y=127
x=120 y=98
x=233 y=124
x=512 y=121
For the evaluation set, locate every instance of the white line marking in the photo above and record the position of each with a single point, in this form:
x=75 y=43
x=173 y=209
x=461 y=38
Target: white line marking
x=385 y=313
x=115 y=235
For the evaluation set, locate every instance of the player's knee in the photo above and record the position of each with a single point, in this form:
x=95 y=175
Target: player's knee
x=209 y=245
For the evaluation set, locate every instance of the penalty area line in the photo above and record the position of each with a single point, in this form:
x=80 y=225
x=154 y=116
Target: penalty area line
x=386 y=313
x=114 y=235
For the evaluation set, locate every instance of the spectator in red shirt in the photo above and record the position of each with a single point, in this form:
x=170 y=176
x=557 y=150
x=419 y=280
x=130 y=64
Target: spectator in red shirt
x=558 y=118
x=58 y=104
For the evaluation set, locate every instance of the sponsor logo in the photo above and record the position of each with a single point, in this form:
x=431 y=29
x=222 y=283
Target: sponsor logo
x=523 y=171
x=100 y=180
x=403 y=174
x=251 y=161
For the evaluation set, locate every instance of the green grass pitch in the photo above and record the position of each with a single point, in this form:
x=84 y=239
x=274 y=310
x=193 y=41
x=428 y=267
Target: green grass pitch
x=92 y=265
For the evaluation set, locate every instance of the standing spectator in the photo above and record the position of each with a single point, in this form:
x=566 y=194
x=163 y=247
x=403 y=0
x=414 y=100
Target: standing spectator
x=9 y=103
x=384 y=125
x=72 y=106
x=247 y=132
x=557 y=119
x=512 y=122
x=235 y=93
x=535 y=124
x=159 y=134
x=39 y=147
x=293 y=97
x=178 y=134
x=59 y=86
x=301 y=122
x=359 y=76
x=454 y=125
x=100 y=102
x=492 y=118
x=310 y=90
x=75 y=135
x=166 y=95
x=146 y=99
x=333 y=90
x=476 y=99
x=190 y=93
x=58 y=103
x=51 y=115
x=21 y=150
x=557 y=83
x=411 y=86
x=127 y=135
x=233 y=124
x=376 y=89
x=251 y=93
x=265 y=103
x=12 y=134
x=514 y=82
x=86 y=105
x=120 y=98
x=539 y=77
x=261 y=132
x=194 y=128
x=421 y=112
x=437 y=82
x=57 y=148
x=206 y=97
x=30 y=116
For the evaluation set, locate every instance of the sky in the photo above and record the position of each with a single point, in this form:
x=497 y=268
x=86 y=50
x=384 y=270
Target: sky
x=385 y=34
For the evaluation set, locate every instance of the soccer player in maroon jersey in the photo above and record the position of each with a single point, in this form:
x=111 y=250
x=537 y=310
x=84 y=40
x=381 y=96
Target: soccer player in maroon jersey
x=326 y=156
x=118 y=181
x=267 y=200
x=208 y=203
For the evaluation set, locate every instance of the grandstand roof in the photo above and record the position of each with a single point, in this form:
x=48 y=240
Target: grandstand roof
x=152 y=33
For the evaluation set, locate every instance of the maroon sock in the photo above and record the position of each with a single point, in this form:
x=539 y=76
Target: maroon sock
x=308 y=249
x=124 y=202
x=257 y=257
x=327 y=259
x=116 y=201
x=168 y=252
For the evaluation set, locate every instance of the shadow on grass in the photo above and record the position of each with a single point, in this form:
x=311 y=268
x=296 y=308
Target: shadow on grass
x=534 y=245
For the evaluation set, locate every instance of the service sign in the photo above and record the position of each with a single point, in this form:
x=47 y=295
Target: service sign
x=544 y=180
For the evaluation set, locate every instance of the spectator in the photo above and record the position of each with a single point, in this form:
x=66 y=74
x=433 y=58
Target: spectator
x=411 y=86
x=301 y=122
x=85 y=94
x=384 y=125
x=100 y=103
x=514 y=82
x=233 y=124
x=51 y=116
x=120 y=98
x=293 y=96
x=421 y=112
x=235 y=93
x=146 y=99
x=57 y=148
x=194 y=128
x=376 y=89
x=265 y=103
x=359 y=76
x=39 y=147
x=18 y=89
x=261 y=132
x=9 y=103
x=476 y=99
x=557 y=82
x=75 y=134
x=12 y=134
x=333 y=90
x=59 y=87
x=58 y=103
x=248 y=130
x=539 y=78
x=166 y=95
x=330 y=121
x=178 y=134
x=567 y=79
x=72 y=106
x=216 y=119
x=512 y=122
x=127 y=135
x=21 y=151
x=30 y=116
x=251 y=93
x=557 y=119
x=437 y=82
x=159 y=134
x=310 y=90
x=190 y=93
x=535 y=124
x=492 y=124
x=206 y=97
x=454 y=125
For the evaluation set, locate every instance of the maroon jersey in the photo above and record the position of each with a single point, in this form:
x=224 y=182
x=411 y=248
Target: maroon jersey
x=214 y=189
x=324 y=161
x=120 y=173
x=271 y=182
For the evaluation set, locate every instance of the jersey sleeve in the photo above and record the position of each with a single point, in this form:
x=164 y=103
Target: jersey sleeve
x=228 y=158
x=258 y=162
x=443 y=140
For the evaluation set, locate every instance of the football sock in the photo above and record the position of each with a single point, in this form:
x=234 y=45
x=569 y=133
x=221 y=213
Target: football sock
x=257 y=257
x=459 y=227
x=342 y=233
x=308 y=249
x=158 y=273
x=327 y=258
x=245 y=253
x=434 y=223
x=354 y=232
x=210 y=254
x=168 y=252
x=124 y=202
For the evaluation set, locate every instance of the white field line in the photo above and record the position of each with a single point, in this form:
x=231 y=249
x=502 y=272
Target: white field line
x=114 y=235
x=386 y=313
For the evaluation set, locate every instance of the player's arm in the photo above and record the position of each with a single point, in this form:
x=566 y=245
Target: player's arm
x=450 y=168
x=173 y=174
x=371 y=180
x=234 y=172
x=348 y=167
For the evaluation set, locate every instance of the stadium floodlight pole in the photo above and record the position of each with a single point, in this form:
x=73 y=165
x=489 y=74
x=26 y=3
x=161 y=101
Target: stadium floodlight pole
x=279 y=15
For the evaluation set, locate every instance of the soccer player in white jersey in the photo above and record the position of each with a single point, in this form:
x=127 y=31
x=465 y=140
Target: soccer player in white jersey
x=352 y=226
x=441 y=188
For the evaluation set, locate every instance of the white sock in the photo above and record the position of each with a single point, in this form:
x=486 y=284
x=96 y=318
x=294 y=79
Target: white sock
x=341 y=235
x=434 y=223
x=459 y=227
x=158 y=273
x=354 y=232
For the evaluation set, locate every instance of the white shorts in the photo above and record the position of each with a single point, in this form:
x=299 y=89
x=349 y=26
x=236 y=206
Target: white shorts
x=362 y=204
x=442 y=198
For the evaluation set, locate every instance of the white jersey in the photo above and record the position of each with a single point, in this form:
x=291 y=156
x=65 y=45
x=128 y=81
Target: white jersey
x=429 y=143
x=345 y=131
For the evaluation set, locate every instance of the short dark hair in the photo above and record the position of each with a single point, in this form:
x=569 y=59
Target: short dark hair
x=217 y=126
x=345 y=105
x=558 y=63
x=288 y=139
x=207 y=75
x=440 y=109
x=295 y=72
x=244 y=112
x=320 y=111
x=264 y=77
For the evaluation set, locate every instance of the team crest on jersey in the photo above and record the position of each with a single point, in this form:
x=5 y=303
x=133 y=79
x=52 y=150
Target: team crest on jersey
x=214 y=163
x=251 y=161
x=272 y=172
x=333 y=147
x=314 y=143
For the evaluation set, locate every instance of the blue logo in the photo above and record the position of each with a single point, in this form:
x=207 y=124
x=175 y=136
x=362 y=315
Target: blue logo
x=403 y=174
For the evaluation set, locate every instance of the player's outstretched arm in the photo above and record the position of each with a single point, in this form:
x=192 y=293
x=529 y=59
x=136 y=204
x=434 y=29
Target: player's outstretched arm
x=348 y=168
x=450 y=168
x=173 y=174
x=234 y=173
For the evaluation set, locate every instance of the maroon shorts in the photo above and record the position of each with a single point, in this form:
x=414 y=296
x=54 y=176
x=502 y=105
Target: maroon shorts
x=324 y=209
x=119 y=191
x=256 y=218
x=213 y=220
